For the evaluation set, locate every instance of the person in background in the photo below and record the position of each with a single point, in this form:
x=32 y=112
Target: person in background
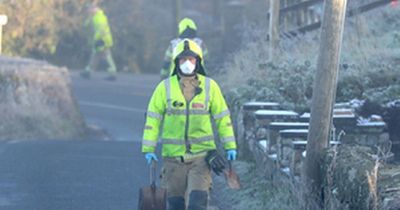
x=187 y=29
x=101 y=41
x=183 y=105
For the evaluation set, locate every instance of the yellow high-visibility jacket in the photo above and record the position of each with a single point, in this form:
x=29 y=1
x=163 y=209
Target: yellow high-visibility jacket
x=186 y=126
x=101 y=31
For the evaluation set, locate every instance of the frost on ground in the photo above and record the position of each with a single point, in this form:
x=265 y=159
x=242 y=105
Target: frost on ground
x=257 y=192
x=369 y=70
x=369 y=66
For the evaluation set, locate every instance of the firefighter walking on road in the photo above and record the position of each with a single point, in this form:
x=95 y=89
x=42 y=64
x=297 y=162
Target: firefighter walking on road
x=101 y=42
x=184 y=105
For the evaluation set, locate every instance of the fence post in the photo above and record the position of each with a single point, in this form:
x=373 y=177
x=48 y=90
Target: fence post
x=284 y=17
x=3 y=21
x=303 y=15
x=274 y=28
x=324 y=93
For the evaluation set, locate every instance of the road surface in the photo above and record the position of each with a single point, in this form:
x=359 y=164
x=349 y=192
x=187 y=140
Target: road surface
x=80 y=175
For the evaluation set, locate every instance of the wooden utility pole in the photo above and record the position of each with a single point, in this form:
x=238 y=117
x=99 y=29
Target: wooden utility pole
x=324 y=93
x=177 y=14
x=303 y=15
x=273 y=28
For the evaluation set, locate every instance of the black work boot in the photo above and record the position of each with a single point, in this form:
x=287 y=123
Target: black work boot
x=111 y=78
x=198 y=200
x=176 y=203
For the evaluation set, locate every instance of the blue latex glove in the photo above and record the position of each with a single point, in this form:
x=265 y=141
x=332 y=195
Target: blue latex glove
x=231 y=154
x=150 y=156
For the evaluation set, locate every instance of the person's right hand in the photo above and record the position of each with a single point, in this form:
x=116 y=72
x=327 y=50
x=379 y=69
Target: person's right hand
x=215 y=161
x=150 y=156
x=99 y=44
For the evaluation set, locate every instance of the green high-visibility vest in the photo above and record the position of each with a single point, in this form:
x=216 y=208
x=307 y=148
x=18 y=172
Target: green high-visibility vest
x=186 y=126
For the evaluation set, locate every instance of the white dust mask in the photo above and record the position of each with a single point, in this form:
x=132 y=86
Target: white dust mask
x=187 y=67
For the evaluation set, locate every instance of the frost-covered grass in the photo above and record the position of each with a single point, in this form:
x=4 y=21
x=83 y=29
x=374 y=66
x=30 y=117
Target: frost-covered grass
x=370 y=69
x=370 y=64
x=257 y=193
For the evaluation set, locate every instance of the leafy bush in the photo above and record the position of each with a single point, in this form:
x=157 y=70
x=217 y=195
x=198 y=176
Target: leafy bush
x=53 y=30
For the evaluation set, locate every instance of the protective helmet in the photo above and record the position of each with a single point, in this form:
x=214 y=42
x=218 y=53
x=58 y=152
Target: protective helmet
x=187 y=28
x=188 y=47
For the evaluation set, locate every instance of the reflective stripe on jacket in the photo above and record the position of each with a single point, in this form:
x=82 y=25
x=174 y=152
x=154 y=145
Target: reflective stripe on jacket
x=187 y=125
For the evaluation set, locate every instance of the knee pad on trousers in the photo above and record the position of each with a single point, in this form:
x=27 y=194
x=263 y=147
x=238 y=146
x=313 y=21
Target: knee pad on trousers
x=198 y=200
x=176 y=203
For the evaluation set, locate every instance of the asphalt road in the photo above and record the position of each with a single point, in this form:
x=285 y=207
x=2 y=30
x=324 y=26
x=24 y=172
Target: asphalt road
x=116 y=106
x=80 y=175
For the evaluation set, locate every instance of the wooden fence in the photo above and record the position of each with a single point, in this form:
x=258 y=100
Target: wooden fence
x=299 y=16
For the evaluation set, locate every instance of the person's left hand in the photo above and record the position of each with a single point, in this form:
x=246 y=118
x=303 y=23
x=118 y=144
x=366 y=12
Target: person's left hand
x=231 y=154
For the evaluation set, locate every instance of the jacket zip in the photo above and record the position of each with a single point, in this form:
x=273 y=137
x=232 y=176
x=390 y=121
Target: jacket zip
x=187 y=144
x=187 y=122
x=187 y=126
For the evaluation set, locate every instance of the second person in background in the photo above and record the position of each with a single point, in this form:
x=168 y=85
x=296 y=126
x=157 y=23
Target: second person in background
x=101 y=41
x=187 y=29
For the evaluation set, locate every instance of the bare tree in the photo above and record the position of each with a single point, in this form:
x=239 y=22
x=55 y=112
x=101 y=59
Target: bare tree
x=177 y=14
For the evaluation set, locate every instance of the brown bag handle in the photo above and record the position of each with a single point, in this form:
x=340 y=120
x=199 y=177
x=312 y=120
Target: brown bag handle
x=153 y=174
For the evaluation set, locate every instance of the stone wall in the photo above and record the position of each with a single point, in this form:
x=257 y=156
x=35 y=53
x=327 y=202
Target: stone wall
x=359 y=175
x=36 y=102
